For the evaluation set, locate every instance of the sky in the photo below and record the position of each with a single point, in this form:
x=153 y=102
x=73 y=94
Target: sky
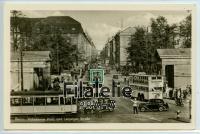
x=101 y=25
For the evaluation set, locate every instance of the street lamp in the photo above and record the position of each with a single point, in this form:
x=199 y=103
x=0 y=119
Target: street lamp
x=21 y=62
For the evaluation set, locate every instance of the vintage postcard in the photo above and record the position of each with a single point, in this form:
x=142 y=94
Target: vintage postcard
x=99 y=66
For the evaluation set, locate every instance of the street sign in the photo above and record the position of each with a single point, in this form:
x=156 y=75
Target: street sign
x=97 y=74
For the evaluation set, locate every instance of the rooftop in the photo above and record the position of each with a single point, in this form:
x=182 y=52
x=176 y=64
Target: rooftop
x=174 y=53
x=128 y=31
x=65 y=23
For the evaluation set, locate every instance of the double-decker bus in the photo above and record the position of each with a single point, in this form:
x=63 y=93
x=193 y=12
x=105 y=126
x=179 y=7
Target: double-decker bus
x=41 y=104
x=146 y=87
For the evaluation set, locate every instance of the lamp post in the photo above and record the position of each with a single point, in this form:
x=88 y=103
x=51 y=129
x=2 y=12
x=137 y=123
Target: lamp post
x=21 y=63
x=56 y=35
x=57 y=58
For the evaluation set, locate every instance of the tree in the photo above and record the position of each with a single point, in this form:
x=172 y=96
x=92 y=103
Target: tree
x=20 y=30
x=162 y=33
x=144 y=44
x=137 y=49
x=185 y=31
x=67 y=53
x=15 y=30
x=172 y=33
x=18 y=39
x=40 y=35
x=64 y=54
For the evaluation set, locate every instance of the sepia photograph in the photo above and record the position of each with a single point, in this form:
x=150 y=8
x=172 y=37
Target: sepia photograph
x=100 y=66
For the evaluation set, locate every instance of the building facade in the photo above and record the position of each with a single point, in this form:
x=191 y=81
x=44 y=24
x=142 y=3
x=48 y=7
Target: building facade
x=115 y=49
x=176 y=66
x=36 y=70
x=125 y=37
x=70 y=29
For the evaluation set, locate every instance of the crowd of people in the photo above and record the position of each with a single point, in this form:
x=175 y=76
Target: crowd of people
x=179 y=94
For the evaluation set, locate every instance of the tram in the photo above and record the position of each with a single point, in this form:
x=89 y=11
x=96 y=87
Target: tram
x=41 y=103
x=146 y=87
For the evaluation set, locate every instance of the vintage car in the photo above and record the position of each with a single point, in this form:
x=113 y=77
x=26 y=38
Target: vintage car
x=153 y=105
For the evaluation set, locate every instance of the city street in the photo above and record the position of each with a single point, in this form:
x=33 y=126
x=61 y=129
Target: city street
x=58 y=67
x=123 y=112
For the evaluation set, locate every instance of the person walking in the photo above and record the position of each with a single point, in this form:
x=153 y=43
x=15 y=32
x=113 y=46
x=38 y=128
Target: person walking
x=179 y=97
x=135 y=106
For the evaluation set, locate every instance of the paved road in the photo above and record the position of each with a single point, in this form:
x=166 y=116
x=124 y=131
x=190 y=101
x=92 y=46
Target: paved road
x=123 y=112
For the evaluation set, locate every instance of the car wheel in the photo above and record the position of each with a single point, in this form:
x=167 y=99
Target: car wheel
x=160 y=109
x=142 y=109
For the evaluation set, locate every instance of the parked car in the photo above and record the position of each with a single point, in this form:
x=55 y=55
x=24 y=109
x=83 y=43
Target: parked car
x=153 y=105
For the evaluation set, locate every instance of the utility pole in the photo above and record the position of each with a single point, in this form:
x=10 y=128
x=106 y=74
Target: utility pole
x=76 y=56
x=57 y=53
x=22 y=79
x=21 y=61
x=147 y=53
x=57 y=56
x=18 y=67
x=15 y=32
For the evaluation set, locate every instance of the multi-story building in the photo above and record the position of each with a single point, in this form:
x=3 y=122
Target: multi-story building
x=116 y=47
x=124 y=40
x=70 y=29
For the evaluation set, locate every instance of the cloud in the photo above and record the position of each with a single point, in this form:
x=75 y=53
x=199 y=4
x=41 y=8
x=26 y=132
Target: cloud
x=139 y=20
x=32 y=14
x=41 y=14
x=144 y=19
x=103 y=25
x=58 y=13
x=171 y=19
x=100 y=33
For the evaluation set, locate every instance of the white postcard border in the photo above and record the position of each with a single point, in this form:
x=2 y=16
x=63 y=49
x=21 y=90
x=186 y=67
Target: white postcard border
x=92 y=126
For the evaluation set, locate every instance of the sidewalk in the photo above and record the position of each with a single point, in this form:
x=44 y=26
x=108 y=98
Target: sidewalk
x=183 y=119
x=169 y=101
x=184 y=115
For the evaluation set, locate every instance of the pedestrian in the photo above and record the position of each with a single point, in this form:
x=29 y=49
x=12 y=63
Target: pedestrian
x=72 y=75
x=135 y=106
x=113 y=83
x=179 y=97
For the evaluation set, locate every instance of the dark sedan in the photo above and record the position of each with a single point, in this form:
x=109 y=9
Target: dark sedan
x=154 y=105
